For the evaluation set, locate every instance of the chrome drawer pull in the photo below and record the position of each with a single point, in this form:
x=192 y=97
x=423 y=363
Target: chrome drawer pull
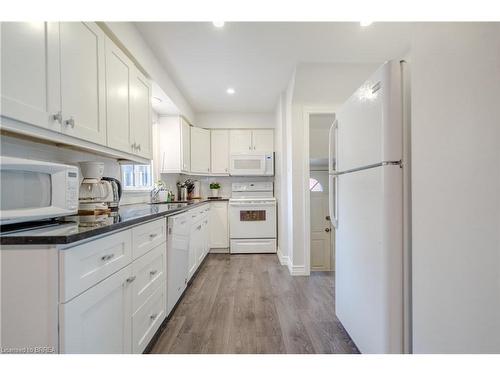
x=153 y=235
x=154 y=272
x=153 y=316
x=107 y=257
x=131 y=279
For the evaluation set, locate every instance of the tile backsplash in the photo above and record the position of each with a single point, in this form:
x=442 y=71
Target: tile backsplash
x=225 y=181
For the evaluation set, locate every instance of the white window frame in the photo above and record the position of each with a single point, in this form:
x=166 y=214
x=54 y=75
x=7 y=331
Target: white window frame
x=135 y=188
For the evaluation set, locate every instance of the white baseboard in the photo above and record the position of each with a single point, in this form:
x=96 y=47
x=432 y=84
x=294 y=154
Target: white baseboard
x=284 y=260
x=217 y=250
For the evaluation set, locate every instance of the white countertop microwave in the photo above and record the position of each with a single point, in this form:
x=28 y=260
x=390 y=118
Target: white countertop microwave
x=251 y=164
x=34 y=190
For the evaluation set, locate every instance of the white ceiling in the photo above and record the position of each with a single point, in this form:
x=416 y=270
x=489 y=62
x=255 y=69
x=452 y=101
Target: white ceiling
x=257 y=59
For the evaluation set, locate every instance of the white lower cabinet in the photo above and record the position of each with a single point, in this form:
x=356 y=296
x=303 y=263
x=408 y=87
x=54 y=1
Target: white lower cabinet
x=114 y=307
x=99 y=320
x=219 y=225
x=147 y=320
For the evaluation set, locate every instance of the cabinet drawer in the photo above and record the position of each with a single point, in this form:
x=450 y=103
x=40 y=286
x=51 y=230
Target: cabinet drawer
x=147 y=236
x=148 y=319
x=149 y=273
x=85 y=265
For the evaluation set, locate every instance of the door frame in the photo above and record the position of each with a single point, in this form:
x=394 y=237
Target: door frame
x=306 y=112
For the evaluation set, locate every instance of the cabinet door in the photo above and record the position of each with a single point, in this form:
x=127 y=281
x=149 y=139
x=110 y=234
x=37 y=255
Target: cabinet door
x=30 y=73
x=83 y=81
x=118 y=78
x=219 y=230
x=100 y=319
x=140 y=115
x=240 y=141
x=263 y=140
x=200 y=150
x=185 y=146
x=219 y=148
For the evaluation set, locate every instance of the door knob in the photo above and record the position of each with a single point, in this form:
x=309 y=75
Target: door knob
x=327 y=229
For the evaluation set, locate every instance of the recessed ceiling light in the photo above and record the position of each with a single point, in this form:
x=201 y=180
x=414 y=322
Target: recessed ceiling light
x=365 y=23
x=218 y=24
x=230 y=91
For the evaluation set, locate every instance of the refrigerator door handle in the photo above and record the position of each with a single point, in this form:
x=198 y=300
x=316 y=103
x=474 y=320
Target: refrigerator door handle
x=333 y=201
x=332 y=147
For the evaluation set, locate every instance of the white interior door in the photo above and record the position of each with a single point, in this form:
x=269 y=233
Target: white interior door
x=321 y=230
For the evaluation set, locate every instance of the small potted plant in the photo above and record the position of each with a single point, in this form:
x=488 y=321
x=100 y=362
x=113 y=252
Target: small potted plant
x=214 y=187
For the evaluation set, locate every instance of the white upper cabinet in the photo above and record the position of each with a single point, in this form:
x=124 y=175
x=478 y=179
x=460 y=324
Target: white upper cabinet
x=174 y=144
x=119 y=71
x=30 y=73
x=263 y=140
x=140 y=115
x=200 y=150
x=83 y=83
x=240 y=141
x=128 y=104
x=219 y=146
x=185 y=146
x=250 y=140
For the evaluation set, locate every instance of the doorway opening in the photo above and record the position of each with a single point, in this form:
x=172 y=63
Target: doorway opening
x=322 y=235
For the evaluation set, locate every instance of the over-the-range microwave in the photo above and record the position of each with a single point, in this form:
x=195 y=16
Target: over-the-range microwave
x=34 y=190
x=251 y=164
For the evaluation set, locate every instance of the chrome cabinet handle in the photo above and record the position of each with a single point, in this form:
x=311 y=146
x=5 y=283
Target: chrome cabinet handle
x=153 y=316
x=70 y=122
x=107 y=257
x=153 y=235
x=327 y=230
x=131 y=279
x=153 y=272
x=57 y=117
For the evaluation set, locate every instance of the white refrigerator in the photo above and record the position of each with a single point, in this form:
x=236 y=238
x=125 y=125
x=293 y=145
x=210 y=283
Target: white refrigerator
x=369 y=208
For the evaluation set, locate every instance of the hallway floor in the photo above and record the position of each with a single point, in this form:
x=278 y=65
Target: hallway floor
x=251 y=304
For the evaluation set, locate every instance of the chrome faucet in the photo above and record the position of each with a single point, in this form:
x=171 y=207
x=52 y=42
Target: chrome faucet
x=154 y=194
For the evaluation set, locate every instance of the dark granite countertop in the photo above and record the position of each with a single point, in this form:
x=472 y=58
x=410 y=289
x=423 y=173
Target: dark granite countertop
x=57 y=233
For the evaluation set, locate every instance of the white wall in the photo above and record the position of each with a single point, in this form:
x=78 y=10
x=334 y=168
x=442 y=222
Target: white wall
x=316 y=86
x=226 y=120
x=456 y=188
x=319 y=127
x=132 y=40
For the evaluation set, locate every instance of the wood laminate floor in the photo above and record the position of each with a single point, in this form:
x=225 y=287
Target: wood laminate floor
x=250 y=304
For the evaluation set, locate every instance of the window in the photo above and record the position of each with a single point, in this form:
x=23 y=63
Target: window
x=137 y=177
x=314 y=185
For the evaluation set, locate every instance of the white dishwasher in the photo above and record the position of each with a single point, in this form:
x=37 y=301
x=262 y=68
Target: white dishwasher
x=177 y=257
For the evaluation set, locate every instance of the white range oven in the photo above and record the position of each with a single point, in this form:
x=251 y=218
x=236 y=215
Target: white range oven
x=36 y=190
x=252 y=218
